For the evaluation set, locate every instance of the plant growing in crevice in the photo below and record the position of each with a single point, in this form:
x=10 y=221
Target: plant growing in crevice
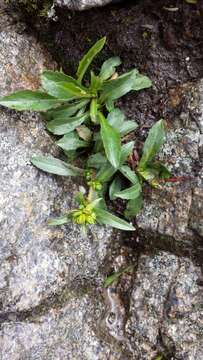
x=92 y=133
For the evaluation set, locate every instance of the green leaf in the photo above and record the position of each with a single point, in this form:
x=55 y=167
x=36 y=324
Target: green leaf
x=69 y=91
x=55 y=82
x=126 y=150
x=160 y=357
x=84 y=132
x=93 y=110
x=130 y=193
x=65 y=111
x=71 y=155
x=109 y=105
x=141 y=82
x=64 y=126
x=106 y=218
x=88 y=58
x=129 y=174
x=71 y=141
x=96 y=161
x=106 y=172
x=80 y=199
x=153 y=173
x=114 y=89
x=161 y=170
x=115 y=276
x=153 y=143
x=30 y=100
x=116 y=118
x=95 y=83
x=108 y=68
x=127 y=127
x=191 y=1
x=114 y=187
x=133 y=207
x=111 y=141
x=55 y=166
x=59 y=221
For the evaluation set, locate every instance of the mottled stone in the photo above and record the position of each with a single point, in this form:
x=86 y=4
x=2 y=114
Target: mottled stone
x=175 y=210
x=165 y=313
x=81 y=4
x=41 y=259
x=66 y=333
x=22 y=59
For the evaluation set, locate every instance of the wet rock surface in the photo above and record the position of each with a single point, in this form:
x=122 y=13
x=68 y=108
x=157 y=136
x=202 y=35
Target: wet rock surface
x=52 y=304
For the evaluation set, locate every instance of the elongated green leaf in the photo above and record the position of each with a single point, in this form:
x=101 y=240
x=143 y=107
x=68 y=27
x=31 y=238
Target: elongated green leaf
x=95 y=83
x=106 y=172
x=127 y=127
x=68 y=91
x=133 y=207
x=93 y=110
x=55 y=166
x=114 y=89
x=191 y=1
x=148 y=174
x=129 y=174
x=116 y=118
x=96 y=161
x=161 y=171
x=88 y=58
x=153 y=143
x=53 y=82
x=64 y=126
x=126 y=150
x=130 y=193
x=153 y=173
x=115 y=276
x=30 y=100
x=71 y=155
x=65 y=111
x=59 y=221
x=141 y=82
x=109 y=105
x=114 y=187
x=106 y=218
x=111 y=140
x=109 y=66
x=55 y=76
x=71 y=141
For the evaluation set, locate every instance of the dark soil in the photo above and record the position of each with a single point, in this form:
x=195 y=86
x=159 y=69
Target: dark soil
x=165 y=45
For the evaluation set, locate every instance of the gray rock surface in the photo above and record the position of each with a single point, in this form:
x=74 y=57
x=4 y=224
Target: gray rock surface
x=50 y=278
x=81 y=4
x=165 y=313
x=174 y=212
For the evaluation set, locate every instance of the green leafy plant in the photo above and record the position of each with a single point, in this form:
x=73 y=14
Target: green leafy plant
x=116 y=275
x=91 y=131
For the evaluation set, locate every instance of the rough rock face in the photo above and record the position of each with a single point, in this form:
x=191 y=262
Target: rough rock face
x=50 y=278
x=21 y=58
x=81 y=4
x=165 y=313
x=174 y=213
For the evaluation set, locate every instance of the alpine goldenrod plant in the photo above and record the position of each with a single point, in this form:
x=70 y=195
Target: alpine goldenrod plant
x=81 y=113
